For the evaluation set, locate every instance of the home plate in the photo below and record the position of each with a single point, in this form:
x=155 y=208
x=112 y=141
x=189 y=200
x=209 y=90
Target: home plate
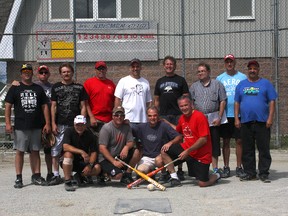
x=160 y=205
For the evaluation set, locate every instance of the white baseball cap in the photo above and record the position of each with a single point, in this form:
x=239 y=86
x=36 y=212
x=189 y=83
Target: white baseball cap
x=80 y=119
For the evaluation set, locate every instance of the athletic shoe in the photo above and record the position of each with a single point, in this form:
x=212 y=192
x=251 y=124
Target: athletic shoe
x=264 y=178
x=247 y=177
x=69 y=186
x=55 y=180
x=77 y=177
x=38 y=180
x=216 y=170
x=164 y=178
x=101 y=180
x=126 y=178
x=18 y=183
x=226 y=172
x=239 y=171
x=174 y=182
x=180 y=175
x=49 y=177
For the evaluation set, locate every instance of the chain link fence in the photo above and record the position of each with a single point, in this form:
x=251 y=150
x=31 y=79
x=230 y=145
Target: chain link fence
x=47 y=32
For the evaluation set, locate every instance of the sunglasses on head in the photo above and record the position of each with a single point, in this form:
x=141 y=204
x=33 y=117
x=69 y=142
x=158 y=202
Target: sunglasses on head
x=43 y=72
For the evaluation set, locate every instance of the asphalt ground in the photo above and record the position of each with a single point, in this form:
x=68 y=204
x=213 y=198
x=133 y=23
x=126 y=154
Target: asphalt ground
x=228 y=197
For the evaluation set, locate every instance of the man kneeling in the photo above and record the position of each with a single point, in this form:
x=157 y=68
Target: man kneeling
x=80 y=152
x=196 y=149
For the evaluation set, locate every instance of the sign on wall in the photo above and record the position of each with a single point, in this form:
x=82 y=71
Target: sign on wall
x=109 y=41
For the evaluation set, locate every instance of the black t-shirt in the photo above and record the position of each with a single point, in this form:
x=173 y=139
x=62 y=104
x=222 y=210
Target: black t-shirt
x=87 y=141
x=169 y=89
x=68 y=99
x=27 y=101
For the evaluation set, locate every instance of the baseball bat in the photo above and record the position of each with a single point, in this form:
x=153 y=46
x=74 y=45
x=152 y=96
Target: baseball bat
x=144 y=176
x=152 y=173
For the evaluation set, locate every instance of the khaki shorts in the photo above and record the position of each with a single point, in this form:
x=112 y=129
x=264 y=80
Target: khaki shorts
x=147 y=164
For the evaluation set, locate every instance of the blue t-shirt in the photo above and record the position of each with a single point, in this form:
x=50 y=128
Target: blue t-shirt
x=254 y=99
x=230 y=83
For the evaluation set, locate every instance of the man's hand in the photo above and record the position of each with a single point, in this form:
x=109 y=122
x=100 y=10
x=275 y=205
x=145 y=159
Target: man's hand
x=117 y=164
x=87 y=170
x=184 y=154
x=85 y=156
x=124 y=152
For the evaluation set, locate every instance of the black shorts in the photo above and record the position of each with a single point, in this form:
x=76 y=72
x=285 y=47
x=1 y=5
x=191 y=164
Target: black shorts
x=110 y=169
x=78 y=165
x=215 y=139
x=47 y=150
x=229 y=130
x=195 y=168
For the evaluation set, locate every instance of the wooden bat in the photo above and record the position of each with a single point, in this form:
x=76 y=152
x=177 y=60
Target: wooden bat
x=144 y=176
x=152 y=173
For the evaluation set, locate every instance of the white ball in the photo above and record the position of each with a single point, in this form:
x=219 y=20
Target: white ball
x=150 y=187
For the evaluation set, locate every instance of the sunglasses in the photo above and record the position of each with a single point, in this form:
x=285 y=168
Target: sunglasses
x=43 y=72
x=26 y=71
x=119 y=115
x=101 y=68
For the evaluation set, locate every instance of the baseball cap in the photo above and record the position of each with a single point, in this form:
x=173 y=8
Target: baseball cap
x=229 y=56
x=80 y=119
x=26 y=67
x=100 y=64
x=135 y=60
x=43 y=67
x=253 y=62
x=118 y=109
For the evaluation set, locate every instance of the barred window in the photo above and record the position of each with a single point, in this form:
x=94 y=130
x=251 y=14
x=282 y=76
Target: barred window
x=239 y=10
x=96 y=9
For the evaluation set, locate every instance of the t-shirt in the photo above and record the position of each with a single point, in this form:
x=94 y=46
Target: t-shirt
x=86 y=142
x=134 y=93
x=101 y=97
x=169 y=89
x=153 y=138
x=254 y=99
x=230 y=83
x=68 y=99
x=114 y=138
x=192 y=128
x=27 y=101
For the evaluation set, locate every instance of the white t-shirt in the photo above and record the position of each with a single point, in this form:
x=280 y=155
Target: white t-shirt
x=134 y=94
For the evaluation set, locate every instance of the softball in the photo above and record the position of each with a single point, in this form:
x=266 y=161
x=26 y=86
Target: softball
x=150 y=187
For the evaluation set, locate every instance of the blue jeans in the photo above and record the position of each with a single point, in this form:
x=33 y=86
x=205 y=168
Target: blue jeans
x=251 y=133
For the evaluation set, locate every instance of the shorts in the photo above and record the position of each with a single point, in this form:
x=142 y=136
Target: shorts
x=47 y=150
x=148 y=162
x=215 y=139
x=57 y=148
x=78 y=165
x=195 y=168
x=229 y=130
x=112 y=170
x=25 y=140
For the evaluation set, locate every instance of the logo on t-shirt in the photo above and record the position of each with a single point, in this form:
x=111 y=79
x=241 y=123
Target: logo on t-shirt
x=28 y=100
x=251 y=91
x=187 y=132
x=168 y=88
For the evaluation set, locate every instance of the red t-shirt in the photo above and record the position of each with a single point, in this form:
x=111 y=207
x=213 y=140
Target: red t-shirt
x=101 y=97
x=192 y=128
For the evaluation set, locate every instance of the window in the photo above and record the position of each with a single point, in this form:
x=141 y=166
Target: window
x=239 y=10
x=96 y=9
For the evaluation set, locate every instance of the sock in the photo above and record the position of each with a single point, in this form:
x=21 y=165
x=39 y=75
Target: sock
x=174 y=175
x=56 y=173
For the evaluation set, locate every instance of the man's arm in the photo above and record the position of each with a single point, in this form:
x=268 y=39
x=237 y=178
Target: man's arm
x=117 y=102
x=83 y=108
x=271 y=114
x=53 y=117
x=197 y=145
x=69 y=148
x=104 y=151
x=176 y=140
x=236 y=114
x=47 y=127
x=8 y=108
x=157 y=101
x=93 y=121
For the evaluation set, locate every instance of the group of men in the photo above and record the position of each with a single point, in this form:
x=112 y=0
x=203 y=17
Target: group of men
x=124 y=121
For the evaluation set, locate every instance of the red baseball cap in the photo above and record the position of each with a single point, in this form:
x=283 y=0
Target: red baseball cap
x=100 y=64
x=43 y=67
x=229 y=56
x=253 y=62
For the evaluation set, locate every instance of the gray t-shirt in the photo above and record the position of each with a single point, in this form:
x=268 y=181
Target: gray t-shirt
x=114 y=138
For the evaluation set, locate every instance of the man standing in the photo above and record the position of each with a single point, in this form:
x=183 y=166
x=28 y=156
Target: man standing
x=115 y=139
x=255 y=102
x=153 y=135
x=230 y=79
x=67 y=101
x=133 y=94
x=80 y=149
x=167 y=90
x=196 y=149
x=209 y=97
x=30 y=103
x=101 y=97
